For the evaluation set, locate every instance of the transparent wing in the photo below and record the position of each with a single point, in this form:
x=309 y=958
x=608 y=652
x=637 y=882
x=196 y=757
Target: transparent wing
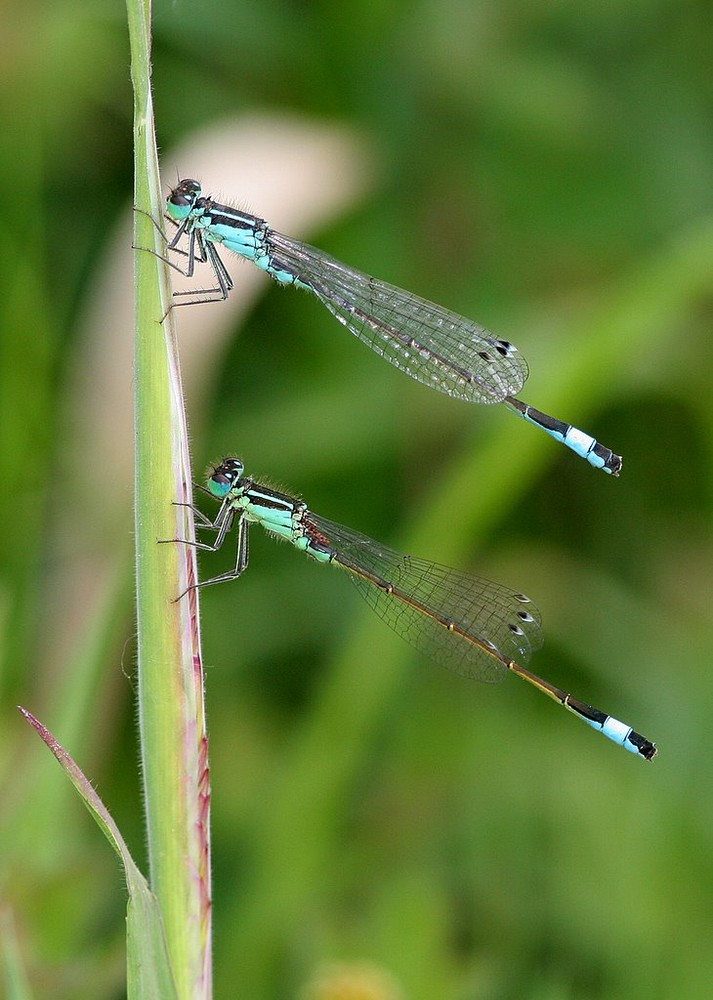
x=431 y=344
x=467 y=624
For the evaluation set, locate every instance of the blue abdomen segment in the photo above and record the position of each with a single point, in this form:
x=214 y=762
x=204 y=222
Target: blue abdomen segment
x=613 y=729
x=581 y=443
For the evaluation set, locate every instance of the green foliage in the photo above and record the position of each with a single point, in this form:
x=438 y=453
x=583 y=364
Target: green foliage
x=545 y=170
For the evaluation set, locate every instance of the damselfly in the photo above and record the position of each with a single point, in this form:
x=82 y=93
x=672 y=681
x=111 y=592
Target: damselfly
x=433 y=345
x=474 y=627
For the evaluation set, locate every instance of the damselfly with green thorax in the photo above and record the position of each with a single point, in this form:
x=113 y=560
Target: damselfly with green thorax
x=474 y=627
x=433 y=345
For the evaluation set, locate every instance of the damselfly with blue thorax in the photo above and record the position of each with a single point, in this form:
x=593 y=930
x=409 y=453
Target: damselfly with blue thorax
x=474 y=627
x=433 y=345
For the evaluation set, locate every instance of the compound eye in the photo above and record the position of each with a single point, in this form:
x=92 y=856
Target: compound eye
x=185 y=193
x=224 y=476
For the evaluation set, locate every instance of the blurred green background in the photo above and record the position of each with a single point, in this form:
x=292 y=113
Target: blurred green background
x=546 y=170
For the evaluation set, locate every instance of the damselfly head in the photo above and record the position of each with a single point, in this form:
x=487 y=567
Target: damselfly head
x=224 y=476
x=185 y=193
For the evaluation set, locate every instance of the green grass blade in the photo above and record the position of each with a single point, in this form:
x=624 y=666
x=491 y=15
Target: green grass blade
x=171 y=712
x=149 y=970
